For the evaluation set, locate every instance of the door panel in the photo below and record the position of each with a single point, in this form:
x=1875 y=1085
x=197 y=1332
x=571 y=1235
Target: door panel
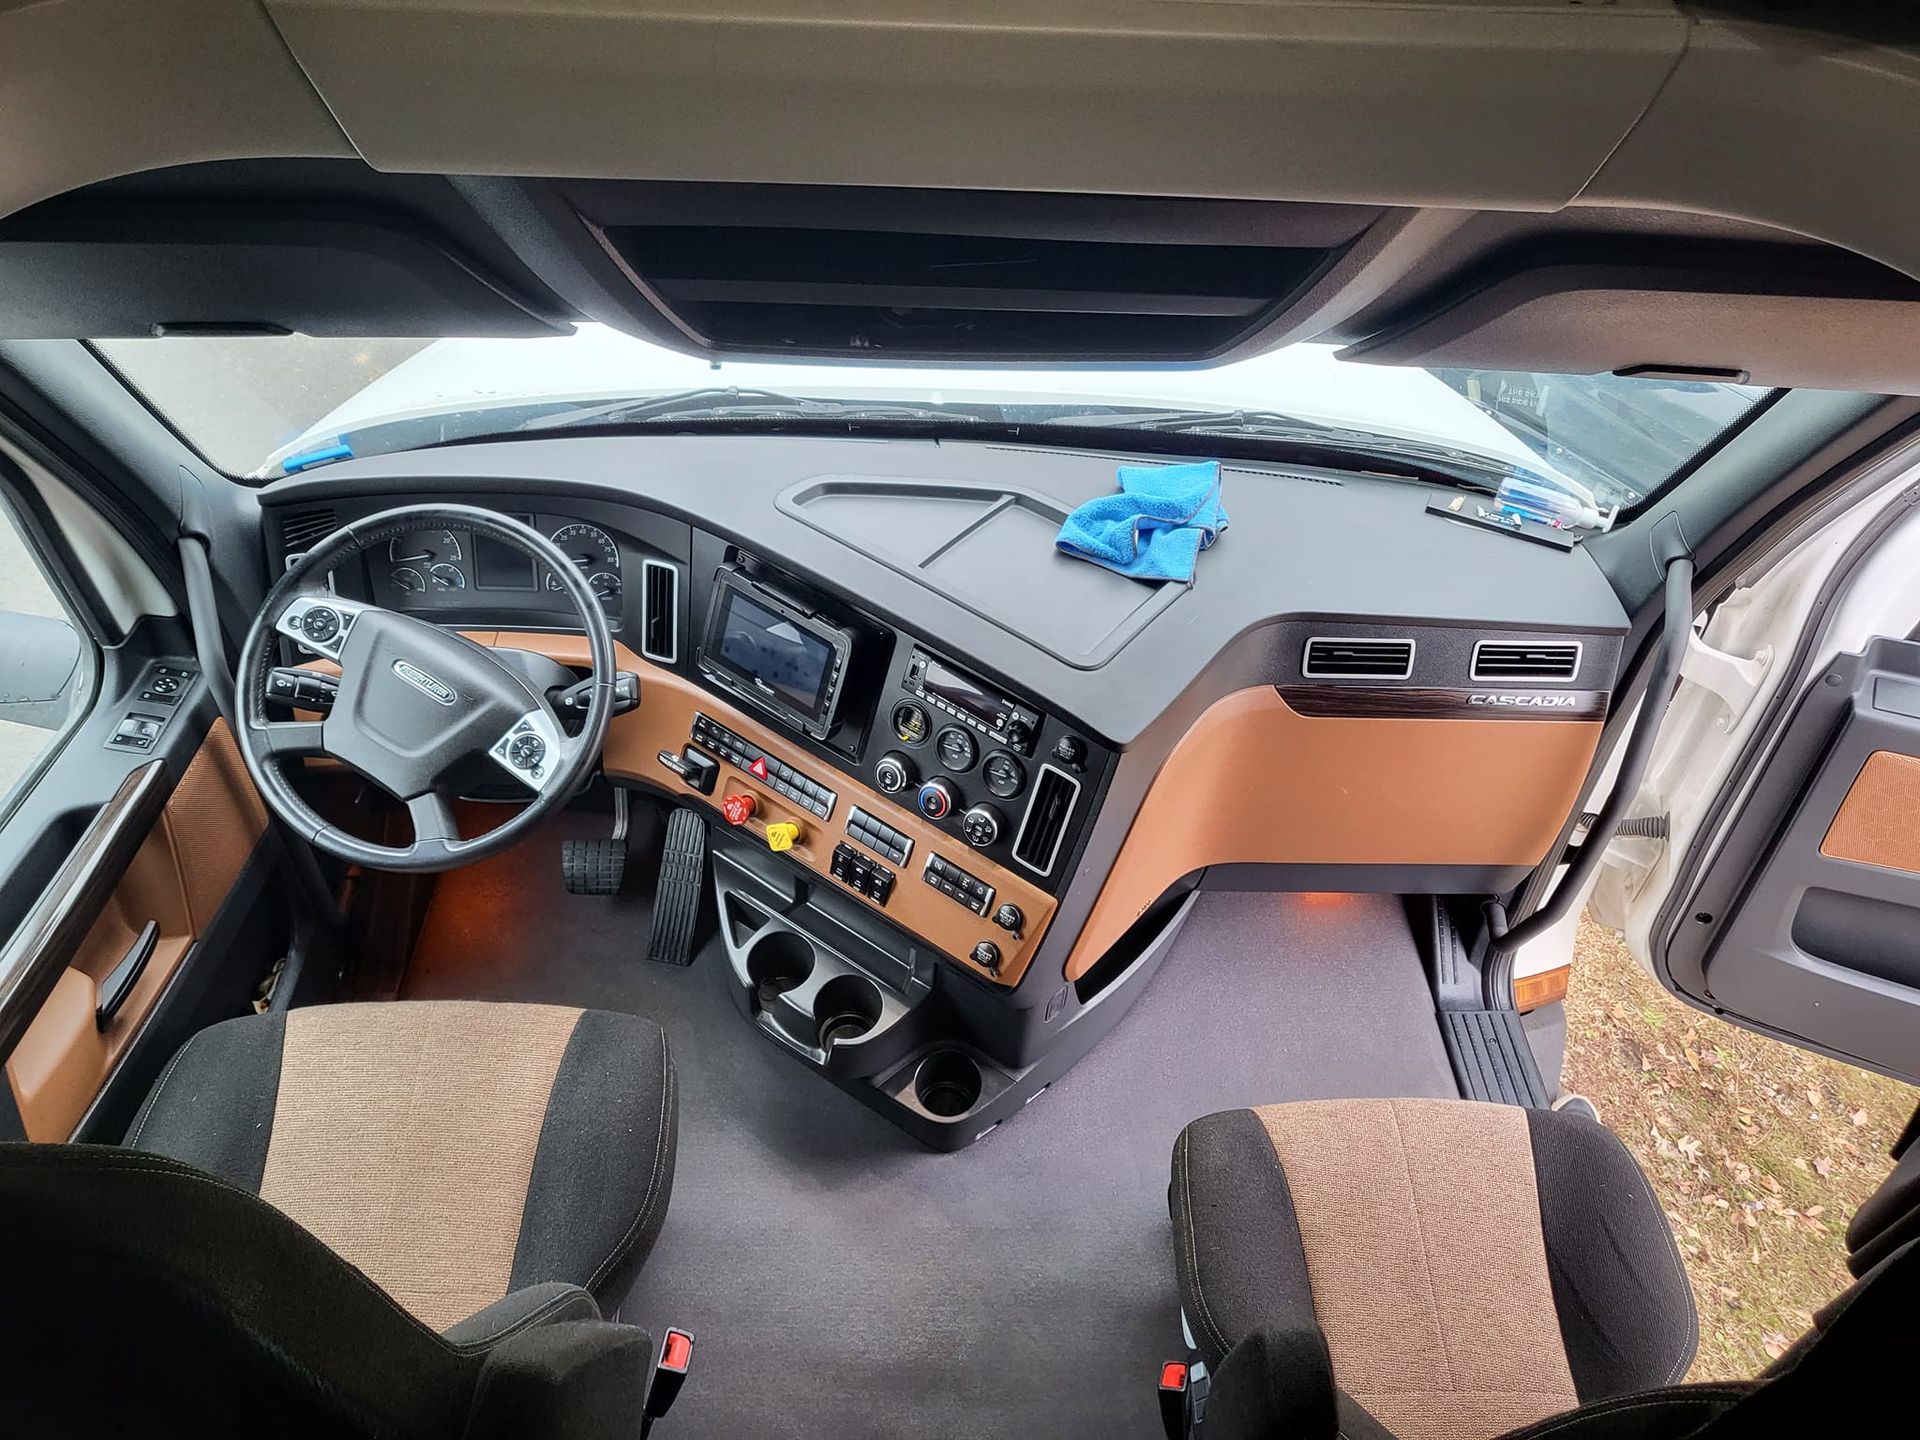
x=1808 y=922
x=178 y=879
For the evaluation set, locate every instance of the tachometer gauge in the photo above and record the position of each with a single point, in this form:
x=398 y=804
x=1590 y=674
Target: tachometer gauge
x=605 y=584
x=408 y=579
x=589 y=547
x=447 y=577
x=424 y=547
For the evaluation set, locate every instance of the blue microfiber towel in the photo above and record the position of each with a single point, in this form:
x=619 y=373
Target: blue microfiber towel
x=1155 y=527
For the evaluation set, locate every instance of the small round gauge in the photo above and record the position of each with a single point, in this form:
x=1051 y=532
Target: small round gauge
x=1006 y=776
x=588 y=546
x=956 y=749
x=605 y=584
x=424 y=547
x=406 y=578
x=910 y=723
x=447 y=577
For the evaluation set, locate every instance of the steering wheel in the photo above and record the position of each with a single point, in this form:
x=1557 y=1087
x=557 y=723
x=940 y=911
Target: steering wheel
x=417 y=704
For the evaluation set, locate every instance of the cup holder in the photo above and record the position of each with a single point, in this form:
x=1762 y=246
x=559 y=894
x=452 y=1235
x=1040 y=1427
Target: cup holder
x=847 y=1007
x=947 y=1083
x=779 y=962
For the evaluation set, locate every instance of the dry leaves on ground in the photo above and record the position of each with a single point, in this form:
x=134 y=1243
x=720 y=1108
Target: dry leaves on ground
x=1759 y=1152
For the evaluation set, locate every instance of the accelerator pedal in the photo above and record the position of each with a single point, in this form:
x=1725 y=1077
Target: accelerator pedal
x=676 y=901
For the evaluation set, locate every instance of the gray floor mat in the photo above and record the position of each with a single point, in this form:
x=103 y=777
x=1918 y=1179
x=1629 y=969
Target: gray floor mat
x=844 y=1282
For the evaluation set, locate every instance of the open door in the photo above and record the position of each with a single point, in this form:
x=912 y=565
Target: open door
x=1787 y=896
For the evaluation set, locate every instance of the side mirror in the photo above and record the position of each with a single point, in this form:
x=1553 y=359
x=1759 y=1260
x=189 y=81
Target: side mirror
x=39 y=664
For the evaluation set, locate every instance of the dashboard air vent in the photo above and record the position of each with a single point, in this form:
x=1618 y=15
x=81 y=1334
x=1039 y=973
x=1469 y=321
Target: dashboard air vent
x=659 y=611
x=299 y=529
x=1037 y=845
x=1336 y=659
x=1551 y=663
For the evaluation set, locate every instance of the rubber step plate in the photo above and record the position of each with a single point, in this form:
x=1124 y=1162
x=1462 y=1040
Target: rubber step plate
x=1491 y=1057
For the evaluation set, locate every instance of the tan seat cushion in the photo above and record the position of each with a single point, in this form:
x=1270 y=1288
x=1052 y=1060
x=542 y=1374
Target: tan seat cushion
x=453 y=1151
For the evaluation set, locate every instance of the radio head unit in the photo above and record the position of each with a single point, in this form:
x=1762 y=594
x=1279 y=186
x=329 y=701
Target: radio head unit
x=775 y=653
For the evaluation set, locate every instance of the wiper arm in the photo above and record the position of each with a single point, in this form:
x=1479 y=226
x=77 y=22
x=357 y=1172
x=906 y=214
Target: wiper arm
x=735 y=402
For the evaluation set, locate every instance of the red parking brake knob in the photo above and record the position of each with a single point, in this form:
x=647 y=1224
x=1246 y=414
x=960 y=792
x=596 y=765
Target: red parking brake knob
x=738 y=809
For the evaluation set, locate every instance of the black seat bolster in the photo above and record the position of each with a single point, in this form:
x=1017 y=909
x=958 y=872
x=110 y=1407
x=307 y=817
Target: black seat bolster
x=205 y=1308
x=1625 y=1305
x=546 y=1304
x=1238 y=1257
x=213 y=1104
x=572 y=1380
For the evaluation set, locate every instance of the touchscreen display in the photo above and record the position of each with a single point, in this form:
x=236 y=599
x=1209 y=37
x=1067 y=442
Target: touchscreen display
x=770 y=648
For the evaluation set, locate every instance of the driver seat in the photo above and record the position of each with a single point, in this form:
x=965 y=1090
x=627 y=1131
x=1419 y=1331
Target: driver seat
x=470 y=1182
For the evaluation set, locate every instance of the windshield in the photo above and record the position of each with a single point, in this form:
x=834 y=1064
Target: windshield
x=266 y=406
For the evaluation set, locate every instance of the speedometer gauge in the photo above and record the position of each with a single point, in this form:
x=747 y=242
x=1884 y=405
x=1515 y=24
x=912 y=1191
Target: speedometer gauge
x=589 y=547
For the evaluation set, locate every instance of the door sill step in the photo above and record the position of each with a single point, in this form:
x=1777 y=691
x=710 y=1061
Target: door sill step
x=1491 y=1057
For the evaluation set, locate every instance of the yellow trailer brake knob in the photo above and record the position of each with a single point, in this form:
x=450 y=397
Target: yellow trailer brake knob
x=782 y=834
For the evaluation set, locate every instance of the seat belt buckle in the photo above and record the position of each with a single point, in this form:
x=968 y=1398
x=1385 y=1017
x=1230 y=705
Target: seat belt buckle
x=669 y=1374
x=1183 y=1398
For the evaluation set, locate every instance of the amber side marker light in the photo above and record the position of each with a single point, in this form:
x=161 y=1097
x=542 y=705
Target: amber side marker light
x=1530 y=992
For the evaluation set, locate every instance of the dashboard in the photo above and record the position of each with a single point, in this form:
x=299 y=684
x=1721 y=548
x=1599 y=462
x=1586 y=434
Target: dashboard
x=1009 y=754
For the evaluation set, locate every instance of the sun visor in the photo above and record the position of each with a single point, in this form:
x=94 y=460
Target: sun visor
x=1810 y=320
x=117 y=270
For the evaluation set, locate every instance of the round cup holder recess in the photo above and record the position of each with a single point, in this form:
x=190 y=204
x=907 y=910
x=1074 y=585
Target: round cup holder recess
x=847 y=1007
x=779 y=961
x=947 y=1083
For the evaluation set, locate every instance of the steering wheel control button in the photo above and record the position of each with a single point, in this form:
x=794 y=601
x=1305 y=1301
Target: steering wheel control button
x=879 y=837
x=957 y=885
x=937 y=798
x=1009 y=918
x=1006 y=777
x=893 y=772
x=957 y=749
x=980 y=826
x=738 y=808
x=320 y=624
x=527 y=752
x=910 y=723
x=781 y=778
x=857 y=872
x=987 y=956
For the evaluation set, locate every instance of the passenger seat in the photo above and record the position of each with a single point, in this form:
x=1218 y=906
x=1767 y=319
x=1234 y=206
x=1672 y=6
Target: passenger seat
x=1473 y=1268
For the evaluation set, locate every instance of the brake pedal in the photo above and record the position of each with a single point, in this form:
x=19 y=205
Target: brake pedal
x=593 y=867
x=596 y=867
x=676 y=900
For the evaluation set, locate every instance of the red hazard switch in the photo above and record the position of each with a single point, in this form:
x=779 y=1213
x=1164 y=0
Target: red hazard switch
x=758 y=769
x=738 y=809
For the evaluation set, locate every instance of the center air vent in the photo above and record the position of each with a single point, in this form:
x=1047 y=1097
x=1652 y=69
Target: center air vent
x=1549 y=663
x=1335 y=659
x=301 y=528
x=1038 y=844
x=659 y=611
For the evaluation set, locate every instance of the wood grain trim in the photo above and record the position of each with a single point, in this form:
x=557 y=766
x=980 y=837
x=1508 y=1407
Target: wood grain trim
x=664 y=721
x=189 y=860
x=1254 y=781
x=1878 y=822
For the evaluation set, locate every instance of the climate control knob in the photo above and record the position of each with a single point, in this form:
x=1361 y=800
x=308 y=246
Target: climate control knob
x=937 y=798
x=980 y=826
x=893 y=772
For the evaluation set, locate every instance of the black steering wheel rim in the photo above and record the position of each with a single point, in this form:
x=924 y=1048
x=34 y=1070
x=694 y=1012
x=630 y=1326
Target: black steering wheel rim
x=377 y=701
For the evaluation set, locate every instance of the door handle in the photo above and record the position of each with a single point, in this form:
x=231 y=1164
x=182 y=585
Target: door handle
x=122 y=978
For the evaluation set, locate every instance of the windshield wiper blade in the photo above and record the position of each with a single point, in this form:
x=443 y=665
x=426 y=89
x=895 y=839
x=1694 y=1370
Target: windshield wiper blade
x=737 y=402
x=1269 y=424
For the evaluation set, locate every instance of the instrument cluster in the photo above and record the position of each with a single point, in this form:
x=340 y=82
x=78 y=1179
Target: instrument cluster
x=428 y=569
